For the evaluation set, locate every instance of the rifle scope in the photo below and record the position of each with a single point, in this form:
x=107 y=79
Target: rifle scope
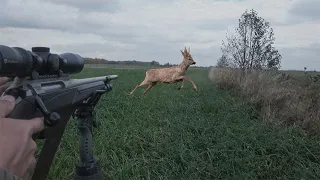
x=16 y=61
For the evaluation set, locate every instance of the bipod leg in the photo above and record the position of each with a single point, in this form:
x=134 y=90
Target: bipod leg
x=88 y=166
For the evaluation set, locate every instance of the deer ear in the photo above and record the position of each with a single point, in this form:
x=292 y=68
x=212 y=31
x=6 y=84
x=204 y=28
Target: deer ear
x=182 y=53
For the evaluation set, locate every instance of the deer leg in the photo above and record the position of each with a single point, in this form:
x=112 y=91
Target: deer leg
x=190 y=80
x=143 y=83
x=148 y=88
x=181 y=87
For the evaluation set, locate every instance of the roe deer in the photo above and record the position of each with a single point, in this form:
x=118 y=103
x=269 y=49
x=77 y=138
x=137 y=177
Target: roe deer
x=169 y=75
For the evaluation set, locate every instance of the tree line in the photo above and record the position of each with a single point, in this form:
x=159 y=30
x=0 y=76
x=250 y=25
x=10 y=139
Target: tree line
x=128 y=62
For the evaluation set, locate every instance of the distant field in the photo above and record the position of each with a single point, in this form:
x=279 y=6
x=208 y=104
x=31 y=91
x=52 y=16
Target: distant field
x=171 y=134
x=116 y=66
x=301 y=73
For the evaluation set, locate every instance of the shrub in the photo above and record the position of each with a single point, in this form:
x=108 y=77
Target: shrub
x=281 y=98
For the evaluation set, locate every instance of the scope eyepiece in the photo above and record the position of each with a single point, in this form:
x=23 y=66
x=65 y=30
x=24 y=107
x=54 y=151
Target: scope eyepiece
x=16 y=61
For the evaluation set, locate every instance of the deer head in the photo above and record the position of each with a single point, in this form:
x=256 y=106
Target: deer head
x=187 y=58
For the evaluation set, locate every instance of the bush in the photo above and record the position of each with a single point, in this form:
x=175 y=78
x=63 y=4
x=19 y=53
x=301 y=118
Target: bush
x=280 y=98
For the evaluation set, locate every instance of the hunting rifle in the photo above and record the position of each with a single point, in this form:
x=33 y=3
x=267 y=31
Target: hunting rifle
x=42 y=86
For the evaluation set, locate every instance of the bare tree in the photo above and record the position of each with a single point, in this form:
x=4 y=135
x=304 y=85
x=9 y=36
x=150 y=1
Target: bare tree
x=222 y=62
x=251 y=46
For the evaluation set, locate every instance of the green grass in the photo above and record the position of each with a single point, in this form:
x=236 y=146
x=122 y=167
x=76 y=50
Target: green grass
x=123 y=66
x=171 y=134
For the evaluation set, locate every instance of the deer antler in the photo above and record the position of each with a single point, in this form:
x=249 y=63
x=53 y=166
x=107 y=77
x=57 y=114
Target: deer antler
x=185 y=50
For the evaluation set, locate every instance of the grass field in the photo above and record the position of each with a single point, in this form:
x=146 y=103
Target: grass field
x=171 y=134
x=122 y=66
x=301 y=73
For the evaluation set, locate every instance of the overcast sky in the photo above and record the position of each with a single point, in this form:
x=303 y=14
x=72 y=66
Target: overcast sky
x=156 y=30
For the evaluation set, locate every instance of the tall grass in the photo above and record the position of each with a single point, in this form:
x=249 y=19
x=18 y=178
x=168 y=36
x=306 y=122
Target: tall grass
x=281 y=98
x=179 y=134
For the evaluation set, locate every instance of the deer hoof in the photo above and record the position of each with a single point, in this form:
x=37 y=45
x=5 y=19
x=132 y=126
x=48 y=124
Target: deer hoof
x=181 y=87
x=195 y=89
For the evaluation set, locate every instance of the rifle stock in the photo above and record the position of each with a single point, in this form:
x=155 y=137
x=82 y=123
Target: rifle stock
x=51 y=144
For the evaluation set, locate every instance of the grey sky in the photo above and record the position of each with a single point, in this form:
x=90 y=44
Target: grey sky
x=156 y=30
